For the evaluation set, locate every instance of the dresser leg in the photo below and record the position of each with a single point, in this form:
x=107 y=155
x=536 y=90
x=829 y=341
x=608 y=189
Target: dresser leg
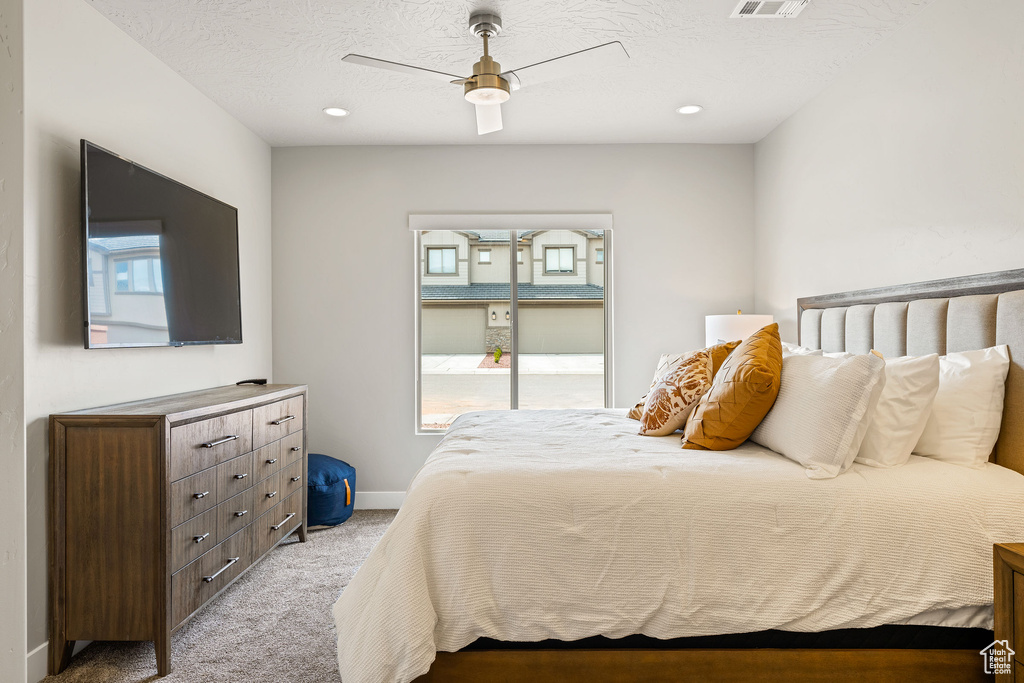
x=163 y=655
x=60 y=655
x=302 y=533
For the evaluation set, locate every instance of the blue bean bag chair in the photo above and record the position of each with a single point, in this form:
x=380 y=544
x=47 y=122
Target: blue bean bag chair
x=332 y=490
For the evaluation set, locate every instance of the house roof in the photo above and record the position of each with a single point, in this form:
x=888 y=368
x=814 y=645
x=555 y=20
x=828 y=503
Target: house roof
x=126 y=242
x=496 y=291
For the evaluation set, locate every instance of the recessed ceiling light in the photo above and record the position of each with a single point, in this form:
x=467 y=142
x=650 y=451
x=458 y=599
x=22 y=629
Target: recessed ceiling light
x=335 y=111
x=689 y=109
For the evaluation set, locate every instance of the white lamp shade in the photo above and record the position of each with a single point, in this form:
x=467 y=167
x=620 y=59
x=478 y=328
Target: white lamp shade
x=726 y=328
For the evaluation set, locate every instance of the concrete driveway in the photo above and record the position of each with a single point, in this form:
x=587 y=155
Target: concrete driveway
x=454 y=384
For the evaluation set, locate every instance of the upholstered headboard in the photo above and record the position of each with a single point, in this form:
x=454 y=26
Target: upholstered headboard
x=941 y=316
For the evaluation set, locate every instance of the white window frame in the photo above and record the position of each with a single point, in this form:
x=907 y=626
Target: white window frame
x=560 y=248
x=521 y=222
x=427 y=248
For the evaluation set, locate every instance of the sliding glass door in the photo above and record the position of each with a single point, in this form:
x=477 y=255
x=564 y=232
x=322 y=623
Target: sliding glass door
x=491 y=341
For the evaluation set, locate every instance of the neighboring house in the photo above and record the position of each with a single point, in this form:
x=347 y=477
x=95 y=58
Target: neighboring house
x=126 y=290
x=465 y=291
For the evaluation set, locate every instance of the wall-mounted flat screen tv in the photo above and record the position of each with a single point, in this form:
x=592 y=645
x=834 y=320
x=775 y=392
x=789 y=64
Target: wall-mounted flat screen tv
x=160 y=259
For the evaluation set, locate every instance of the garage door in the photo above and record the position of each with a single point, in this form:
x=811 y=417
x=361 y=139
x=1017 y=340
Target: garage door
x=458 y=329
x=557 y=329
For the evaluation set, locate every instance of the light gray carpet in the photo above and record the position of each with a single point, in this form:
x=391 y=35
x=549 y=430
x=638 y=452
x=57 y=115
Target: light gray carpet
x=273 y=624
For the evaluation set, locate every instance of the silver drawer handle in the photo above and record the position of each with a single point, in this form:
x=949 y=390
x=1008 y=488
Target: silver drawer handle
x=204 y=494
x=296 y=448
x=272 y=461
x=243 y=513
x=200 y=539
x=231 y=561
x=282 y=420
x=296 y=478
x=241 y=476
x=271 y=494
x=211 y=444
x=275 y=527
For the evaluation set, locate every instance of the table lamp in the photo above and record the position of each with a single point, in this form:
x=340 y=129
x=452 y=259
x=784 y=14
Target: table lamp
x=726 y=328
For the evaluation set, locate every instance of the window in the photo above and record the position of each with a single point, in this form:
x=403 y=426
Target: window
x=121 y=276
x=141 y=275
x=441 y=260
x=559 y=259
x=552 y=335
x=600 y=256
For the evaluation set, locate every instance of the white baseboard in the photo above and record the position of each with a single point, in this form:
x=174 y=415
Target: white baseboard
x=36 y=664
x=36 y=661
x=379 y=500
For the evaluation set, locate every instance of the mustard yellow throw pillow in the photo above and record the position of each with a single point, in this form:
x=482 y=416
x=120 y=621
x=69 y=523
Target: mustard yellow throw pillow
x=669 y=403
x=743 y=392
x=669 y=362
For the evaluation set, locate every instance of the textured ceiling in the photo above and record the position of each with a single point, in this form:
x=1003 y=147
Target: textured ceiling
x=274 y=64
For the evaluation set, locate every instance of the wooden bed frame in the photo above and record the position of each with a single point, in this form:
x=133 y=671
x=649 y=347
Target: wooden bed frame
x=785 y=665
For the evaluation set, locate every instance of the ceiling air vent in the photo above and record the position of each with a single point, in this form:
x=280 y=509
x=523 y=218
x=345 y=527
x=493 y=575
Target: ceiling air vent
x=769 y=9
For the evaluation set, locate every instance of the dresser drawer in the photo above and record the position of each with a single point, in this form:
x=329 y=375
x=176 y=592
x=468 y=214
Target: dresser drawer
x=193 y=495
x=291 y=448
x=234 y=476
x=190 y=588
x=276 y=420
x=268 y=493
x=278 y=523
x=235 y=513
x=267 y=460
x=193 y=538
x=291 y=478
x=206 y=443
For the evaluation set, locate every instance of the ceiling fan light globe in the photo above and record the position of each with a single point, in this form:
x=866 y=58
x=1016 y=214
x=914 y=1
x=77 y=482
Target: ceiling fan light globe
x=485 y=95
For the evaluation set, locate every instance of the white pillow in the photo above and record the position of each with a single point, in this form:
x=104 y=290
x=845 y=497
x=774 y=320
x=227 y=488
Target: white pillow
x=902 y=411
x=822 y=411
x=794 y=350
x=968 y=409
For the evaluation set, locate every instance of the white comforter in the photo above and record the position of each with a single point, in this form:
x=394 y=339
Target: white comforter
x=564 y=524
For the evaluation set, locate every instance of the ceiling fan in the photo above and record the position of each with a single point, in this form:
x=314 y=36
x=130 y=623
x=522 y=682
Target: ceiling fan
x=488 y=87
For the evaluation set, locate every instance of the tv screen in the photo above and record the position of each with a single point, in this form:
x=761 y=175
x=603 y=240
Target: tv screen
x=160 y=259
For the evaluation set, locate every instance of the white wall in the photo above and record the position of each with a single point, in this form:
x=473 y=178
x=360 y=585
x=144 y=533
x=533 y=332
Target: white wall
x=12 y=422
x=909 y=167
x=87 y=79
x=683 y=217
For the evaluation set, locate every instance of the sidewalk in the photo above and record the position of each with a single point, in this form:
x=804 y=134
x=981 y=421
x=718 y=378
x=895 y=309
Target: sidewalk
x=529 y=364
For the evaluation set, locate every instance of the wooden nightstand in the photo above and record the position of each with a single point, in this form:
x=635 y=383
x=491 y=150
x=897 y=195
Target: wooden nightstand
x=1008 y=566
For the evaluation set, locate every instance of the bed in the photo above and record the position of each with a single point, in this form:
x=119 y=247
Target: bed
x=567 y=534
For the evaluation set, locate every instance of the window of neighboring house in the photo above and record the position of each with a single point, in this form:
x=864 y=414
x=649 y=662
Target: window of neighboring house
x=143 y=275
x=559 y=259
x=485 y=256
x=600 y=255
x=519 y=256
x=441 y=260
x=121 y=276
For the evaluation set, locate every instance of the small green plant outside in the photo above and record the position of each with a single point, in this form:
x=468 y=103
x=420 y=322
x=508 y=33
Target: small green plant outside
x=497 y=355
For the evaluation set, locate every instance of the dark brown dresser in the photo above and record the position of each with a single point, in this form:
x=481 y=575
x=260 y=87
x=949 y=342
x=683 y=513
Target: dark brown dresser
x=157 y=506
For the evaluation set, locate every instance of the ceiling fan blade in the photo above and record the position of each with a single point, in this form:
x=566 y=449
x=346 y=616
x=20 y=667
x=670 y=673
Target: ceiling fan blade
x=400 y=68
x=488 y=118
x=590 y=59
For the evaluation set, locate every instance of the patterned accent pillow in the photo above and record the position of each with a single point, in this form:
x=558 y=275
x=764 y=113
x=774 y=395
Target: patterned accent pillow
x=670 y=361
x=669 y=403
